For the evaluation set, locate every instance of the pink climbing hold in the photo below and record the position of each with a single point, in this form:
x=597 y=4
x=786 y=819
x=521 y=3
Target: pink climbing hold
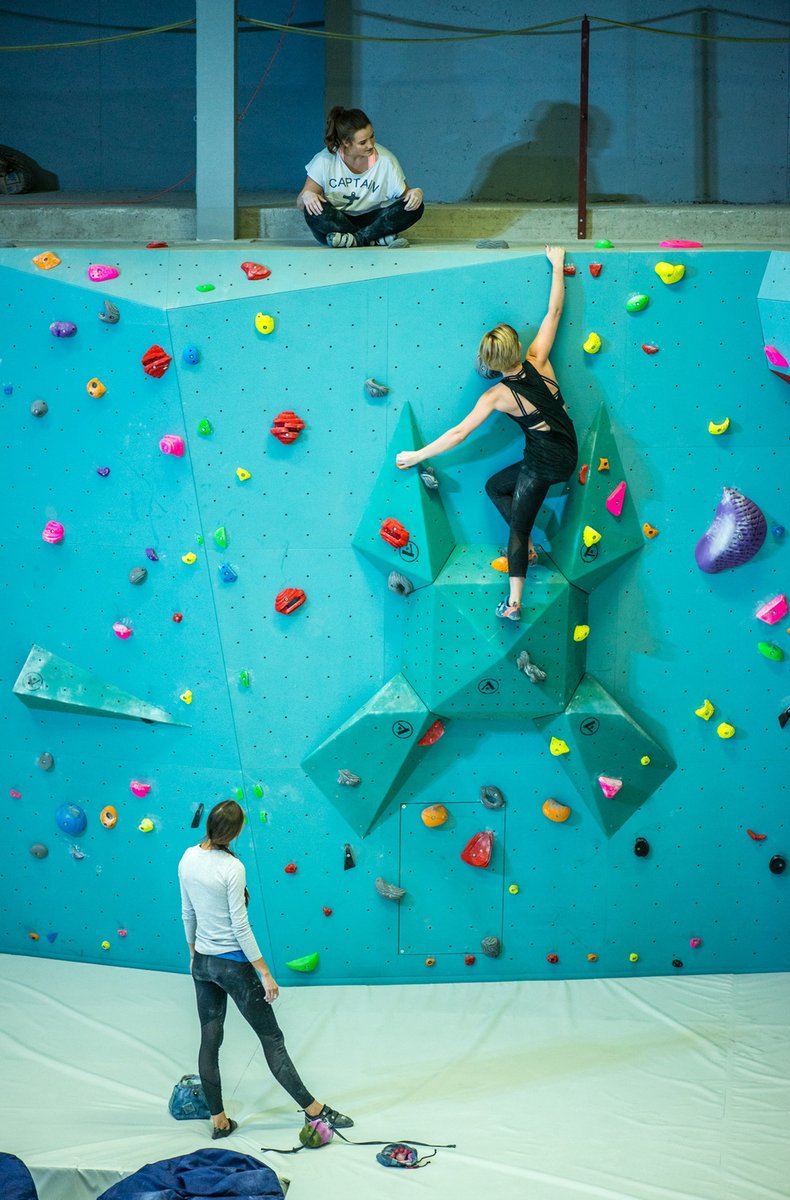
x=773 y=610
x=616 y=499
x=775 y=357
x=99 y=272
x=138 y=788
x=609 y=786
x=679 y=244
x=53 y=532
x=171 y=443
x=121 y=630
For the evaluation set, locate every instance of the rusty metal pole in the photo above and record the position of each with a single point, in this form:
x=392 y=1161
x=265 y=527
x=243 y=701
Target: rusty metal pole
x=584 y=81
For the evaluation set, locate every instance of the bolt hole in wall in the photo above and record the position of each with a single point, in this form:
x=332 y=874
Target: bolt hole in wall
x=211 y=617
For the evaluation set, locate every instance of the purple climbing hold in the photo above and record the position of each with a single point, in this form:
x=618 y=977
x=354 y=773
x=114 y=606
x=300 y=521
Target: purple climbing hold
x=63 y=329
x=151 y=554
x=736 y=534
x=103 y=471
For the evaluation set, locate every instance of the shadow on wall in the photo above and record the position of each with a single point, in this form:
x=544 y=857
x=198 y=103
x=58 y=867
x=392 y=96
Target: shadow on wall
x=545 y=168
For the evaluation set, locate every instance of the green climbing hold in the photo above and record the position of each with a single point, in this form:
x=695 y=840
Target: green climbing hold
x=239 y=793
x=244 y=678
x=205 y=427
x=637 y=303
x=221 y=537
x=264 y=816
x=257 y=790
x=199 y=539
x=769 y=650
x=604 y=244
x=205 y=287
x=308 y=962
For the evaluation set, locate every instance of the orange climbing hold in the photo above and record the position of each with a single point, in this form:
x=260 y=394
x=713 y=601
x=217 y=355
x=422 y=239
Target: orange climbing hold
x=649 y=530
x=46 y=260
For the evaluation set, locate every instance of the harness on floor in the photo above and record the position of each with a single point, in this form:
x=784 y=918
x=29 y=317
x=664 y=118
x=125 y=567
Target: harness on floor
x=315 y=1134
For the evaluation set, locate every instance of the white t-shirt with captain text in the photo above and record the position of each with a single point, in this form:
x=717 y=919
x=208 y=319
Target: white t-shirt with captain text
x=379 y=185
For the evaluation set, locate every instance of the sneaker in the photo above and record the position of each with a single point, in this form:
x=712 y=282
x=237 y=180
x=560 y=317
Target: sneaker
x=226 y=1132
x=340 y=241
x=332 y=1117
x=392 y=242
x=510 y=612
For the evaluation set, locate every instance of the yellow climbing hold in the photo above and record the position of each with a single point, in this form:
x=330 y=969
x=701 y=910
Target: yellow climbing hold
x=242 y=475
x=581 y=632
x=189 y=558
x=146 y=825
x=105 y=945
x=645 y=760
x=186 y=696
x=725 y=731
x=669 y=272
x=633 y=958
x=590 y=536
x=513 y=889
x=94 y=387
x=500 y=564
x=557 y=747
x=706 y=710
x=720 y=428
x=264 y=323
x=603 y=464
x=593 y=344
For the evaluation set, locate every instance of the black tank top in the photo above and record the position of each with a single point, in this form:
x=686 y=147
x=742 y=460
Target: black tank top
x=552 y=453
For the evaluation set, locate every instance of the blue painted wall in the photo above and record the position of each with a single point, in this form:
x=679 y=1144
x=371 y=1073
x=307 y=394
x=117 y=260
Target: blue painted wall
x=664 y=636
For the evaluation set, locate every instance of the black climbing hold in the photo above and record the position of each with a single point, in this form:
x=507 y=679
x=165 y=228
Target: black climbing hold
x=197 y=817
x=45 y=761
x=39 y=408
x=348 y=858
x=641 y=847
x=784 y=717
x=491 y=797
x=777 y=864
x=676 y=962
x=138 y=575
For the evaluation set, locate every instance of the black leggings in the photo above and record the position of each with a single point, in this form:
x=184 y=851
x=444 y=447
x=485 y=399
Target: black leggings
x=215 y=980
x=518 y=494
x=367 y=227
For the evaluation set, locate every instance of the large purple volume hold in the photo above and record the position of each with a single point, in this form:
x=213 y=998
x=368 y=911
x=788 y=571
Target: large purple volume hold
x=737 y=533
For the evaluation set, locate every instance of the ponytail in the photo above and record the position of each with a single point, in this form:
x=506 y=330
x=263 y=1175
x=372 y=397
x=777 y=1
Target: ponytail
x=224 y=823
x=341 y=125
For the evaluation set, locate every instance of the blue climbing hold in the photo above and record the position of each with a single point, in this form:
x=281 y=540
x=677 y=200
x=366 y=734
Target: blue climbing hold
x=71 y=819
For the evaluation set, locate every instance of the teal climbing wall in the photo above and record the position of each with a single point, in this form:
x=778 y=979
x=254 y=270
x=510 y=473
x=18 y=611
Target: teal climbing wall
x=237 y=699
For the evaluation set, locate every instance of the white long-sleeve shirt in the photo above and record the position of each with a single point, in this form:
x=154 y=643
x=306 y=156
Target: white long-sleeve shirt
x=212 y=903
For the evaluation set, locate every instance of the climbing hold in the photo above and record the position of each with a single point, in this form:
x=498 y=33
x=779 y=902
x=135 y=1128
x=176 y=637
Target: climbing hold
x=190 y=355
x=557 y=746
x=649 y=530
x=428 y=478
x=399 y=584
x=63 y=329
x=641 y=847
x=555 y=811
x=53 y=532
x=100 y=273
x=122 y=630
x=595 y=269
x=138 y=788
x=71 y=819
x=108 y=817
x=76 y=853
x=434 y=815
x=603 y=464
x=151 y=554
x=255 y=270
x=593 y=344
x=430 y=962
x=110 y=314
x=432 y=734
x=777 y=864
x=477 y=851
x=569 y=269
x=244 y=678
x=290 y=868
x=390 y=891
x=669 y=272
x=491 y=946
x=348 y=858
x=123 y=933
x=39 y=408
x=722 y=427
x=94 y=387
x=533 y=673
x=286 y=427
x=679 y=244
x=288 y=600
x=204 y=287
x=778 y=531
x=736 y=534
x=138 y=575
x=706 y=710
x=45 y=761
x=186 y=696
x=649 y=348
x=604 y=244
x=326 y=911
x=242 y=475
x=513 y=889
x=376 y=390
x=103 y=471
x=189 y=558
x=756 y=837
x=590 y=536
x=146 y=825
x=775 y=357
x=491 y=797
x=552 y=958
x=616 y=499
x=485 y=372
x=773 y=610
x=221 y=537
x=581 y=632
x=171 y=443
x=677 y=963
x=227 y=573
x=264 y=323
x=769 y=650
x=609 y=786
x=156 y=361
x=156 y=245
x=592 y=958
x=469 y=960
x=39 y=850
x=584 y=471
x=105 y=945
x=15 y=795
x=633 y=957
x=695 y=942
x=645 y=760
x=177 y=617
x=34 y=937
x=46 y=260
x=725 y=730
x=205 y=427
x=394 y=533
x=500 y=564
x=348 y=778
x=637 y=303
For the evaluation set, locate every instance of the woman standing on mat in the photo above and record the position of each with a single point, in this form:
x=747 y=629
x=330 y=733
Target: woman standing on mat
x=226 y=961
x=529 y=394
x=355 y=193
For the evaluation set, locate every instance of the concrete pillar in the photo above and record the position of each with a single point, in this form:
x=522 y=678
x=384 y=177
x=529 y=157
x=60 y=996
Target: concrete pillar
x=215 y=88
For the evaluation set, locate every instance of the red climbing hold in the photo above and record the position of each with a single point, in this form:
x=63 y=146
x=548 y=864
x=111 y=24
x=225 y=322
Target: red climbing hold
x=595 y=269
x=432 y=735
x=393 y=532
x=469 y=960
x=584 y=471
x=288 y=600
x=156 y=245
x=648 y=349
x=156 y=361
x=286 y=427
x=326 y=911
x=477 y=851
x=552 y=958
x=756 y=837
x=569 y=269
x=255 y=270
x=290 y=868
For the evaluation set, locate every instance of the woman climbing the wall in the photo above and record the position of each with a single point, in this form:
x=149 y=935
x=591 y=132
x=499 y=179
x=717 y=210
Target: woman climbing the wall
x=355 y=193
x=226 y=961
x=529 y=394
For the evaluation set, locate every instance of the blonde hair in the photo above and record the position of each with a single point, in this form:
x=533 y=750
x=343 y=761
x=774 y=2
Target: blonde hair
x=499 y=348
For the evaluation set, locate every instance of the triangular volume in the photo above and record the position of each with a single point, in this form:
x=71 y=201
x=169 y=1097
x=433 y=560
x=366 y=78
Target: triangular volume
x=47 y=681
x=362 y=765
x=592 y=540
x=417 y=510
x=613 y=762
